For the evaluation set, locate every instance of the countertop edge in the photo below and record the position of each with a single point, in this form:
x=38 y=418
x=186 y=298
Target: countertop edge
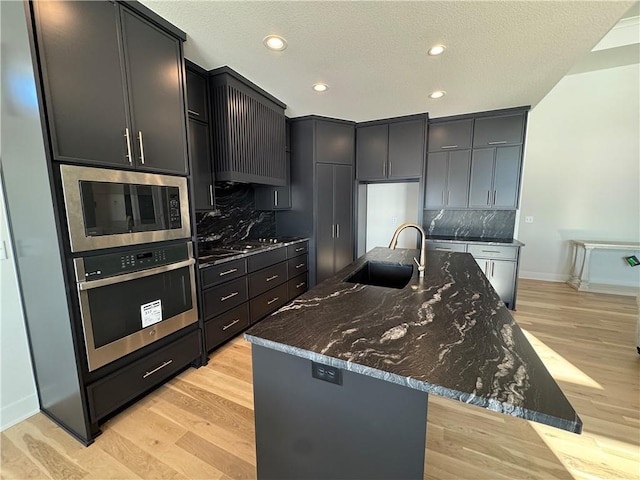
x=471 y=399
x=507 y=243
x=266 y=248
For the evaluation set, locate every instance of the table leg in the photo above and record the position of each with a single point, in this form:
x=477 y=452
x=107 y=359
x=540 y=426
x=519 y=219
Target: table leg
x=583 y=283
x=573 y=274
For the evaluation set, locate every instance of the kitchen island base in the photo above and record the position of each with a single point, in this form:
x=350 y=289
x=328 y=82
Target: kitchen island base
x=308 y=428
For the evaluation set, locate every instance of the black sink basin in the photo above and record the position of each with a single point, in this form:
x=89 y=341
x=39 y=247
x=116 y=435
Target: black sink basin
x=381 y=274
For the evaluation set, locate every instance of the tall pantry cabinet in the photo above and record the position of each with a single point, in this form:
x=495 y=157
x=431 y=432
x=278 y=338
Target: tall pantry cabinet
x=322 y=179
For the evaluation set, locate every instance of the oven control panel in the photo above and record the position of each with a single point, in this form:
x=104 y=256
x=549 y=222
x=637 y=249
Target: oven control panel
x=133 y=260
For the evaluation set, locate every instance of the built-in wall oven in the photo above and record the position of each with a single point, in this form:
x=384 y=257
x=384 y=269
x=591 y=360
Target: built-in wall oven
x=112 y=208
x=134 y=297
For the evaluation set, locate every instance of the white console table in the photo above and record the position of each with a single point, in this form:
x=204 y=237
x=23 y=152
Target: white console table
x=579 y=278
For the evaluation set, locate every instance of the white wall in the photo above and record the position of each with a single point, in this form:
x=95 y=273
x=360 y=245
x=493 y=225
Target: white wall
x=18 y=397
x=389 y=205
x=582 y=175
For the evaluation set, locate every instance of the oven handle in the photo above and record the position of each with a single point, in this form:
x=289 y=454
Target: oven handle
x=134 y=275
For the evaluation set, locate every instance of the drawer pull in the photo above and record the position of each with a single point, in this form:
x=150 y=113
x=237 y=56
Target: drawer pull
x=299 y=249
x=274 y=299
x=227 y=297
x=168 y=362
x=443 y=248
x=273 y=277
x=300 y=266
x=501 y=142
x=449 y=146
x=491 y=251
x=227 y=272
x=301 y=284
x=231 y=324
x=193 y=112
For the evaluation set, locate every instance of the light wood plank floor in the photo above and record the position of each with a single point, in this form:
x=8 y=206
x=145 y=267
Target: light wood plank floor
x=200 y=424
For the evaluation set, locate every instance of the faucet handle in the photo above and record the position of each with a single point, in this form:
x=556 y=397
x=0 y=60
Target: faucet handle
x=417 y=262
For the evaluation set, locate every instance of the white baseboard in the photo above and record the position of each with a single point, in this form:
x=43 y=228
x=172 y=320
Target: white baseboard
x=547 y=277
x=18 y=411
x=624 y=289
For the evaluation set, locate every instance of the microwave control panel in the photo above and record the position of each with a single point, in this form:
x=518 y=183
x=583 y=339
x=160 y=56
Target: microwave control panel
x=175 y=216
x=133 y=260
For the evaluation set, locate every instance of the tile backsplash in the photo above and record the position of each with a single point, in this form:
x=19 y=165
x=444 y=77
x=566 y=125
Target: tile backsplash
x=236 y=217
x=470 y=223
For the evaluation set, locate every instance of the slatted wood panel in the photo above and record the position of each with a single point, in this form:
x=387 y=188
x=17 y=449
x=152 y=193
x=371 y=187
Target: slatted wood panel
x=200 y=424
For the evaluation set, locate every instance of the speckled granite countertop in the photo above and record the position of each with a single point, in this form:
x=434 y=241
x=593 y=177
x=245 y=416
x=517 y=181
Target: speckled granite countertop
x=447 y=334
x=509 y=242
x=205 y=260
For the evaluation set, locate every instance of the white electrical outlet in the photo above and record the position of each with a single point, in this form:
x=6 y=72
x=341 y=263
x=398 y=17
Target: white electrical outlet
x=528 y=219
x=394 y=219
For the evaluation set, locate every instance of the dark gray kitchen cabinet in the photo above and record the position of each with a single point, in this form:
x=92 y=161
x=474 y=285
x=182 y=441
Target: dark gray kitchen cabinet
x=450 y=135
x=502 y=276
x=447 y=179
x=393 y=150
x=200 y=151
x=248 y=127
x=321 y=193
x=276 y=198
x=334 y=221
x=113 y=86
x=499 y=130
x=495 y=177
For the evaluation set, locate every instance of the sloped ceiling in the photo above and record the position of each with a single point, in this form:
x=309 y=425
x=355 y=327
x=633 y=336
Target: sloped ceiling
x=373 y=54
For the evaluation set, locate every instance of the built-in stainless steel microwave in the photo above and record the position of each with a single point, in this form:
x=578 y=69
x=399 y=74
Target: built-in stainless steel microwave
x=112 y=208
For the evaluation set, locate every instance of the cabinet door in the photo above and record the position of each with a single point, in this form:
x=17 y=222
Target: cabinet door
x=458 y=178
x=372 y=149
x=154 y=69
x=436 y=182
x=502 y=275
x=506 y=177
x=450 y=135
x=272 y=198
x=324 y=222
x=502 y=130
x=481 y=184
x=335 y=142
x=201 y=169
x=406 y=149
x=342 y=216
x=197 y=96
x=83 y=79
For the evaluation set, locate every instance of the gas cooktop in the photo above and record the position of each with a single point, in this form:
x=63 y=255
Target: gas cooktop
x=209 y=253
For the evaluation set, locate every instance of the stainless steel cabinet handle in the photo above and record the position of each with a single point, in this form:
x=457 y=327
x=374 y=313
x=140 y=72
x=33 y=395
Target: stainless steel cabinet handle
x=300 y=265
x=495 y=196
x=275 y=198
x=211 y=194
x=141 y=147
x=301 y=284
x=337 y=230
x=227 y=272
x=493 y=267
x=384 y=169
x=128 y=138
x=444 y=249
x=193 y=112
x=442 y=196
x=390 y=167
x=501 y=142
x=231 y=324
x=333 y=229
x=449 y=146
x=275 y=299
x=491 y=251
x=486 y=268
x=273 y=277
x=488 y=196
x=227 y=297
x=299 y=249
x=448 y=196
x=168 y=362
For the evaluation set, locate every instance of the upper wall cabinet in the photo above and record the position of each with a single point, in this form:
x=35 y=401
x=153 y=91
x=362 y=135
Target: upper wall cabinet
x=454 y=135
x=391 y=150
x=501 y=130
x=113 y=86
x=248 y=131
x=197 y=97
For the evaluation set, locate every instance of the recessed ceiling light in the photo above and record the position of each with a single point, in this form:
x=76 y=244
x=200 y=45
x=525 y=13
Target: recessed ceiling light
x=437 y=94
x=436 y=50
x=275 y=42
x=320 y=87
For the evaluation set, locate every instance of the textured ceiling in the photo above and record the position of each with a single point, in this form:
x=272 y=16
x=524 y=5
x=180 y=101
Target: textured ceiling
x=373 y=54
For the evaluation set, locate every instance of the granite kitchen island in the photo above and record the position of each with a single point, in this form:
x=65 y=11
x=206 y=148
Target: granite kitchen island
x=343 y=373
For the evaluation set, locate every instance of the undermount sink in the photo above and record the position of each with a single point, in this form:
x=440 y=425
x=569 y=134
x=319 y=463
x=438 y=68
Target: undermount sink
x=381 y=274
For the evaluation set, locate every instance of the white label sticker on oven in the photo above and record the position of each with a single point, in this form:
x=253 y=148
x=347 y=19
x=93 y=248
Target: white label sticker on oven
x=151 y=313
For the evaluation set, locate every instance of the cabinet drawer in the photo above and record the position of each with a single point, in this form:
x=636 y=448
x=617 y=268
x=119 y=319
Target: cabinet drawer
x=447 y=246
x=224 y=297
x=266 y=259
x=297 y=286
x=268 y=302
x=297 y=265
x=267 y=278
x=297 y=249
x=492 y=251
x=494 y=131
x=450 y=135
x=113 y=391
x=221 y=273
x=225 y=326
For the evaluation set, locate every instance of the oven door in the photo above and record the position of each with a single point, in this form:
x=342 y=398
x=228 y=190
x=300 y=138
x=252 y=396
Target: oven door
x=123 y=313
x=112 y=208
